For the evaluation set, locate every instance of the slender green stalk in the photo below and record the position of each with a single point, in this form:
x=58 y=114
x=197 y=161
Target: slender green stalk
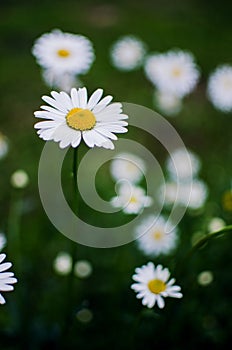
x=208 y=237
x=181 y=265
x=70 y=281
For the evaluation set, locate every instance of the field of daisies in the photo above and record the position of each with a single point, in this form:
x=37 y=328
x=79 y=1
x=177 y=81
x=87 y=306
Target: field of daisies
x=116 y=184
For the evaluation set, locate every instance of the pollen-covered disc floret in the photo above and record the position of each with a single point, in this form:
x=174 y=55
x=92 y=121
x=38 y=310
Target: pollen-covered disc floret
x=153 y=284
x=128 y=53
x=73 y=117
x=174 y=72
x=6 y=278
x=220 y=88
x=64 y=52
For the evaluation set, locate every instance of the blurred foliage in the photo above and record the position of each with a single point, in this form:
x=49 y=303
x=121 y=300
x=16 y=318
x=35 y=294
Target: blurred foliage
x=41 y=312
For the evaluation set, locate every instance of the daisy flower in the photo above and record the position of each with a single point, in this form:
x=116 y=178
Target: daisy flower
x=191 y=195
x=182 y=164
x=220 y=88
x=131 y=199
x=155 y=236
x=128 y=53
x=216 y=224
x=174 y=72
x=127 y=166
x=167 y=102
x=3 y=146
x=152 y=285
x=64 y=52
x=6 y=278
x=71 y=118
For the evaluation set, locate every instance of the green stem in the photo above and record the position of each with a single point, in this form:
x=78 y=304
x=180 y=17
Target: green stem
x=201 y=243
x=70 y=281
x=208 y=237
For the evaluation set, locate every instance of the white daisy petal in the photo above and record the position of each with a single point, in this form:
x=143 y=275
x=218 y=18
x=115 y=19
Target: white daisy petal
x=54 y=103
x=83 y=97
x=2 y=300
x=6 y=278
x=94 y=99
x=75 y=98
x=160 y=302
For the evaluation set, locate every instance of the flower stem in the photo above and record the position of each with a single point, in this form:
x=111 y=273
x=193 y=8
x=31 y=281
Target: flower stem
x=70 y=281
x=200 y=244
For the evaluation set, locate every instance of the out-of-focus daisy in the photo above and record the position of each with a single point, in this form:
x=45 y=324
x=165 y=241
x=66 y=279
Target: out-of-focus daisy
x=63 y=263
x=6 y=278
x=152 y=285
x=183 y=164
x=167 y=102
x=19 y=179
x=128 y=53
x=155 y=236
x=64 y=52
x=3 y=146
x=83 y=269
x=174 y=72
x=220 y=88
x=216 y=224
x=131 y=199
x=127 y=166
x=71 y=118
x=63 y=82
x=205 y=278
x=190 y=194
x=84 y=315
x=2 y=240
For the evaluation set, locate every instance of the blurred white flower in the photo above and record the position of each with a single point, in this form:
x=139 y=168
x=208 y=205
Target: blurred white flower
x=155 y=236
x=127 y=166
x=219 y=88
x=19 y=179
x=63 y=82
x=190 y=194
x=84 y=315
x=6 y=278
x=205 y=278
x=64 y=52
x=63 y=263
x=2 y=240
x=74 y=117
x=174 y=72
x=4 y=147
x=83 y=269
x=182 y=164
x=128 y=53
x=131 y=199
x=167 y=102
x=216 y=224
x=152 y=285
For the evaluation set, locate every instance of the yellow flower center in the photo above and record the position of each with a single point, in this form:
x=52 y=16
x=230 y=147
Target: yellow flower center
x=133 y=199
x=157 y=235
x=156 y=286
x=80 y=119
x=63 y=53
x=176 y=72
